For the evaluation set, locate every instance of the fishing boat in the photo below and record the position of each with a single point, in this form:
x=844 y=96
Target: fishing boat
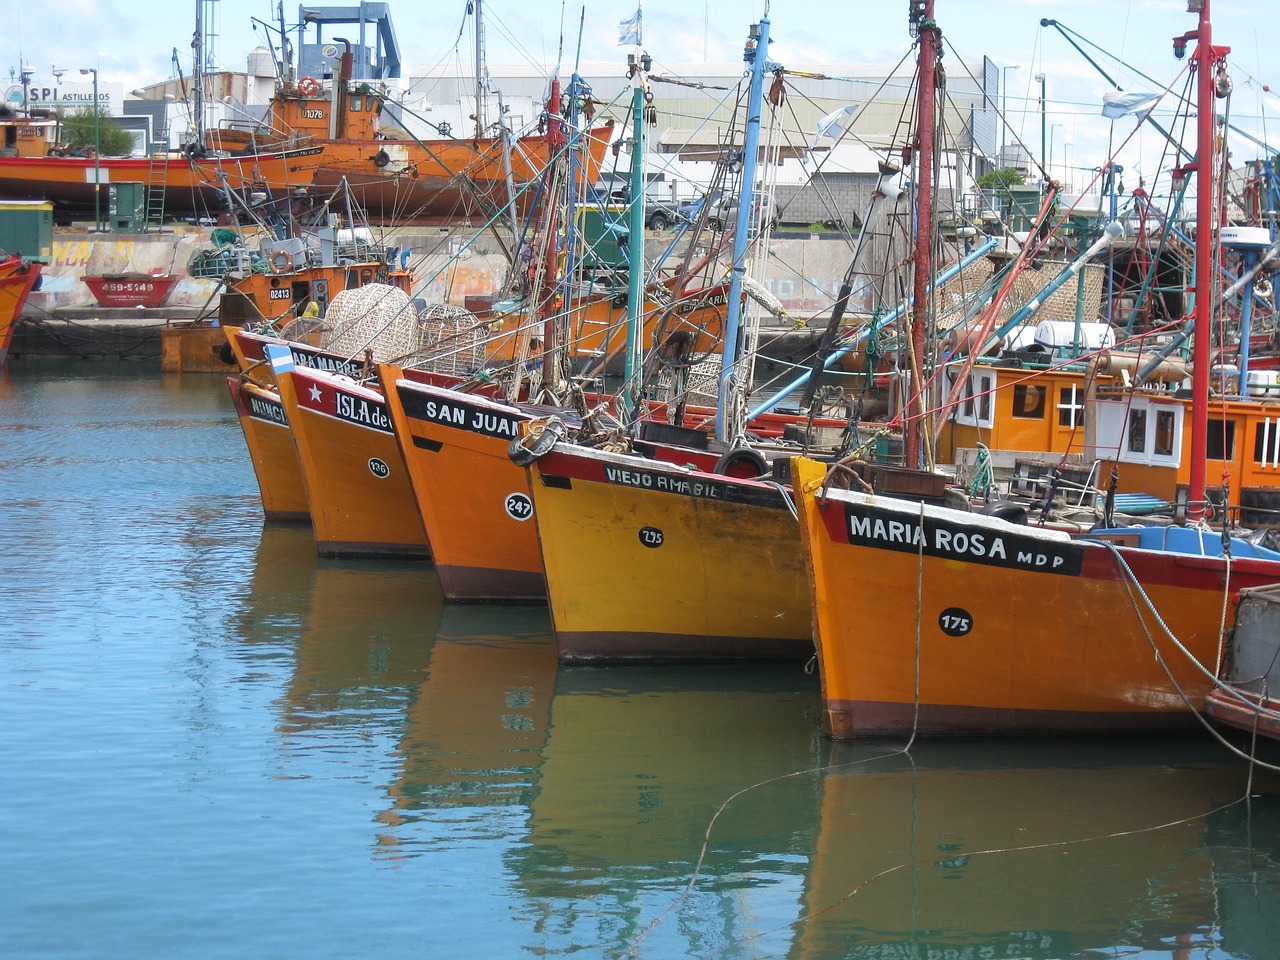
x=38 y=166
x=261 y=415
x=18 y=278
x=932 y=620
x=1246 y=696
x=396 y=176
x=281 y=265
x=357 y=488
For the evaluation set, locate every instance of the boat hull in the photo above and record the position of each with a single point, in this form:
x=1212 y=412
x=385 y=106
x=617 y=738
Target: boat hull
x=474 y=502
x=18 y=278
x=191 y=186
x=979 y=626
x=653 y=561
x=357 y=486
x=408 y=180
x=1252 y=670
x=271 y=450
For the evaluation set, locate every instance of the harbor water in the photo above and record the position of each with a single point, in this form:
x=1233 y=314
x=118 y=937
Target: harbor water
x=214 y=745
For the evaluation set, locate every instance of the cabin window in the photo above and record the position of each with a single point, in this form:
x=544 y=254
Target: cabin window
x=1266 y=443
x=1137 y=431
x=1028 y=401
x=1221 y=440
x=1070 y=406
x=975 y=404
x=1165 y=423
x=357 y=103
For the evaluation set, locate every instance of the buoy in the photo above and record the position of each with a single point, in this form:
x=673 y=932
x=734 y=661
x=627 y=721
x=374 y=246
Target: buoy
x=308 y=86
x=281 y=261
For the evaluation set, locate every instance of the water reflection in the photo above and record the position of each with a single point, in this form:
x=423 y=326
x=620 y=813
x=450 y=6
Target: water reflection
x=697 y=811
x=1030 y=849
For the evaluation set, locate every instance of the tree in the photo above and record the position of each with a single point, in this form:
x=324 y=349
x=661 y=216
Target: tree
x=1001 y=179
x=113 y=140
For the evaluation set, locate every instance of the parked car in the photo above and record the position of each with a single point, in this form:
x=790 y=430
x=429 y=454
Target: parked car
x=724 y=211
x=659 y=214
x=690 y=210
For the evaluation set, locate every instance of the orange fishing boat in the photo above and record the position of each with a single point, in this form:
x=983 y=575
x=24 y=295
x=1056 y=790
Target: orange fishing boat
x=18 y=278
x=400 y=177
x=473 y=501
x=275 y=461
x=40 y=168
x=356 y=483
x=937 y=621
x=930 y=620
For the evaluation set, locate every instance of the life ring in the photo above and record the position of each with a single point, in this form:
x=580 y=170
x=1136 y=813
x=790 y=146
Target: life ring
x=308 y=86
x=281 y=261
x=538 y=439
x=741 y=462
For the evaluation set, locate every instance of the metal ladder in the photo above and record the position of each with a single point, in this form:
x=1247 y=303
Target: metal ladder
x=157 y=181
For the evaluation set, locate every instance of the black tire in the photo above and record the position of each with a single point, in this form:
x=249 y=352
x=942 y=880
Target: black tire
x=658 y=221
x=741 y=462
x=536 y=443
x=1006 y=510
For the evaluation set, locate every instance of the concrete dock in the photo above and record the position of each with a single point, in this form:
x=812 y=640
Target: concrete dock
x=64 y=320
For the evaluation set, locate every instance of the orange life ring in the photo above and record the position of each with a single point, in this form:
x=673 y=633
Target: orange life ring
x=308 y=86
x=281 y=261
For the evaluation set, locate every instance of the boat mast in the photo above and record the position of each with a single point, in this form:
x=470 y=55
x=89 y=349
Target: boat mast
x=1208 y=61
x=197 y=72
x=638 y=64
x=756 y=53
x=479 y=69
x=926 y=28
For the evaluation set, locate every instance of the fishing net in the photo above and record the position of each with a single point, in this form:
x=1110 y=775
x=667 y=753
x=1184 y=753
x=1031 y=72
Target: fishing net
x=377 y=317
x=442 y=337
x=453 y=340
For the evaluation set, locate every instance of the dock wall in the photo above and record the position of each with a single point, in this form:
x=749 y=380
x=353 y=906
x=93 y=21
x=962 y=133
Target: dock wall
x=64 y=319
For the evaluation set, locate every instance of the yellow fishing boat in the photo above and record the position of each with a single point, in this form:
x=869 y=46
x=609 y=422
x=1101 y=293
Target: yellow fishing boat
x=648 y=560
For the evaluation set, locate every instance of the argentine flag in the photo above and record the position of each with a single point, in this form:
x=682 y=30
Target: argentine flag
x=629 y=30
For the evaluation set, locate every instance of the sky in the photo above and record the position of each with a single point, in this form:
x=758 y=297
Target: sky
x=133 y=44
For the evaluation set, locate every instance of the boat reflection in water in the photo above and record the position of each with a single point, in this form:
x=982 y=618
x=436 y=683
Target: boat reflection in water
x=564 y=809
x=1030 y=849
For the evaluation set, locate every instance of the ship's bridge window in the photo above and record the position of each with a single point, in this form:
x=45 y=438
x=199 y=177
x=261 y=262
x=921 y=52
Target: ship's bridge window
x=1221 y=440
x=974 y=408
x=1028 y=401
x=1070 y=406
x=1140 y=431
x=1137 y=431
x=357 y=103
x=1163 y=440
x=1266 y=443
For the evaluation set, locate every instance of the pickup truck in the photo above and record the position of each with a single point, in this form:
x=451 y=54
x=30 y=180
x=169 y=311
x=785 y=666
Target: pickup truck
x=658 y=214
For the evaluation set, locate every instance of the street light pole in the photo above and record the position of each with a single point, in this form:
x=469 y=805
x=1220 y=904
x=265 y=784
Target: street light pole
x=97 y=168
x=1004 y=109
x=1044 y=159
x=1049 y=164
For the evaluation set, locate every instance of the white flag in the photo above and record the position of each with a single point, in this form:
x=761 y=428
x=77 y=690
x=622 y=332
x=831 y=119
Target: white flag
x=629 y=29
x=834 y=124
x=1117 y=104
